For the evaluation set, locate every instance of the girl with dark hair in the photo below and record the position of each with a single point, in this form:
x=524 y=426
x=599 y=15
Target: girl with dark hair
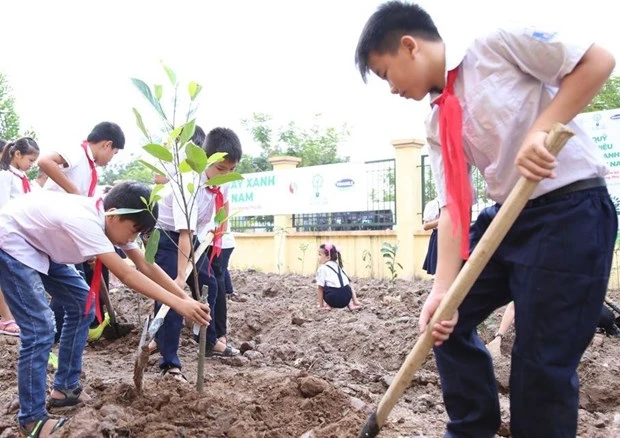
x=334 y=289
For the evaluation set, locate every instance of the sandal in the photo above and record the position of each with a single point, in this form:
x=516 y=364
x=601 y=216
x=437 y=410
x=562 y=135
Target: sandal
x=175 y=373
x=38 y=427
x=4 y=327
x=229 y=351
x=72 y=398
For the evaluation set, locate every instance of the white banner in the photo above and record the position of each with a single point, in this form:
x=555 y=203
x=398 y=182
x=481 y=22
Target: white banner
x=604 y=128
x=318 y=189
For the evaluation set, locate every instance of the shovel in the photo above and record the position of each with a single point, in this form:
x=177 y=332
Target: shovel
x=151 y=327
x=520 y=194
x=114 y=330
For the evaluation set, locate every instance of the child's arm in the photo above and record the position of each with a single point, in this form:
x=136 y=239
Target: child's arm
x=448 y=266
x=187 y=307
x=155 y=273
x=430 y=225
x=51 y=165
x=319 y=295
x=184 y=250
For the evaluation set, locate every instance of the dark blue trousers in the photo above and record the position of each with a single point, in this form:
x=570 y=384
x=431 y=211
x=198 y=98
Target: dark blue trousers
x=554 y=264
x=168 y=336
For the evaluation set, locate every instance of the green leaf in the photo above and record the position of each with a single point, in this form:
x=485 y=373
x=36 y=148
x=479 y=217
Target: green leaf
x=144 y=201
x=154 y=191
x=151 y=246
x=159 y=152
x=187 y=131
x=220 y=216
x=399 y=265
x=146 y=92
x=151 y=167
x=216 y=158
x=171 y=75
x=196 y=157
x=140 y=123
x=184 y=167
x=191 y=188
x=159 y=91
x=218 y=180
x=194 y=88
x=174 y=135
x=122 y=211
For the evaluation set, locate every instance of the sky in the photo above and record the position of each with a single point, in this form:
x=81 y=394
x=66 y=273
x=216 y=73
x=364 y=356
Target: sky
x=70 y=62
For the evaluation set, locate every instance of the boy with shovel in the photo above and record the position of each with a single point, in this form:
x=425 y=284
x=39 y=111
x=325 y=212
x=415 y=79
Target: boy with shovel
x=492 y=105
x=38 y=243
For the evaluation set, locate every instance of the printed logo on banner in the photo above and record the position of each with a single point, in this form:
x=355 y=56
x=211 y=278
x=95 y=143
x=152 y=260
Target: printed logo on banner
x=345 y=183
x=615 y=117
x=317 y=183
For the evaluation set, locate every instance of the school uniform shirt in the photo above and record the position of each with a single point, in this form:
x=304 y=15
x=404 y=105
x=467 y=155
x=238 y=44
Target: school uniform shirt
x=78 y=169
x=11 y=184
x=37 y=228
x=172 y=212
x=325 y=277
x=431 y=211
x=504 y=82
x=228 y=240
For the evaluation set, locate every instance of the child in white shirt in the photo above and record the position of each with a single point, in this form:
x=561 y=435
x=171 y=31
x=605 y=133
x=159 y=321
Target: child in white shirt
x=334 y=289
x=39 y=241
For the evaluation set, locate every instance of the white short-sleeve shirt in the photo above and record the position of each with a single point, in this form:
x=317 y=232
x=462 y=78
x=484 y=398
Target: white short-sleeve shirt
x=78 y=169
x=326 y=277
x=504 y=82
x=62 y=227
x=172 y=210
x=431 y=211
x=11 y=185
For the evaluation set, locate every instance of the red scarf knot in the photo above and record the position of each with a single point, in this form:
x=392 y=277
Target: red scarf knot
x=93 y=170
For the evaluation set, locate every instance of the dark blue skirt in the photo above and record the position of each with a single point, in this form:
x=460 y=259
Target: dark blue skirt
x=430 y=262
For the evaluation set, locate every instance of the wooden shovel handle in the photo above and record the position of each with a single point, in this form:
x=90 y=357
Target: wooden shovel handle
x=520 y=194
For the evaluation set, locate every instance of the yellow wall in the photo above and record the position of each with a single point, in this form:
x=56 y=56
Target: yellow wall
x=263 y=252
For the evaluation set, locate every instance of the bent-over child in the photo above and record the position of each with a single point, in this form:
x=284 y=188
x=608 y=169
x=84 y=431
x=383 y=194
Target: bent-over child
x=39 y=244
x=333 y=285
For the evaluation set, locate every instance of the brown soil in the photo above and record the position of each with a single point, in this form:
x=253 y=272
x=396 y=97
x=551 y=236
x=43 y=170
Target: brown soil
x=304 y=370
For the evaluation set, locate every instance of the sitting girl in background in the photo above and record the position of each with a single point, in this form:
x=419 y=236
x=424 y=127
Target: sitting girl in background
x=334 y=289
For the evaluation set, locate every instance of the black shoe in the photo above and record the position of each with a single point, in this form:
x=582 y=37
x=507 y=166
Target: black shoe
x=614 y=331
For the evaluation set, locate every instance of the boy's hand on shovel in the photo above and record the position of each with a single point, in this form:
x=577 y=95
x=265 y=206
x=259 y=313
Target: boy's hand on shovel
x=441 y=330
x=198 y=313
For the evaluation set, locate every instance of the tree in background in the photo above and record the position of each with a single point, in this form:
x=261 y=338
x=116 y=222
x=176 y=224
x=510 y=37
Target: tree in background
x=607 y=98
x=315 y=145
x=133 y=171
x=9 y=120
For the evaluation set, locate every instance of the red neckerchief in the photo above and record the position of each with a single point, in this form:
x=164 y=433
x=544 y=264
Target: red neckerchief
x=24 y=178
x=217 y=239
x=458 y=186
x=95 y=284
x=93 y=171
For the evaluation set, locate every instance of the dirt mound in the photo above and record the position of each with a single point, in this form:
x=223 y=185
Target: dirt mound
x=303 y=372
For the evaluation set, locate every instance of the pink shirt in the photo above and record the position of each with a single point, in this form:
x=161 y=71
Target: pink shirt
x=505 y=80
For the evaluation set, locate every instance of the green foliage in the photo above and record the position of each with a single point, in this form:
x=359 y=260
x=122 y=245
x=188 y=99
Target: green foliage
x=389 y=251
x=315 y=145
x=303 y=247
x=607 y=98
x=133 y=170
x=368 y=262
x=9 y=120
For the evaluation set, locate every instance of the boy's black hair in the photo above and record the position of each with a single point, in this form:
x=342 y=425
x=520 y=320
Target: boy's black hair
x=199 y=138
x=129 y=194
x=105 y=131
x=24 y=145
x=224 y=140
x=385 y=28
